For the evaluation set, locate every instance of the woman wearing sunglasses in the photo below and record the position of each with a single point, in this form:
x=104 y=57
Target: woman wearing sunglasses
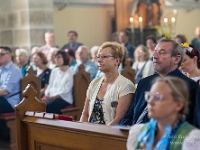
x=167 y=129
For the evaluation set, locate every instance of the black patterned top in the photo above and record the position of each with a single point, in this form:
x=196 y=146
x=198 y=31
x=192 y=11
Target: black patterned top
x=97 y=113
x=44 y=76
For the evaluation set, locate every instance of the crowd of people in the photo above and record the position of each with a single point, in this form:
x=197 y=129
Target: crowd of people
x=166 y=74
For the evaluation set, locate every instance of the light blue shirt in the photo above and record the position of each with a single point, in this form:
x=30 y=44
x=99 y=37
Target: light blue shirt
x=10 y=76
x=72 y=66
x=90 y=67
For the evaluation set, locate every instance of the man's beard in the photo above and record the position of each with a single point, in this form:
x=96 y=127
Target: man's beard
x=164 y=70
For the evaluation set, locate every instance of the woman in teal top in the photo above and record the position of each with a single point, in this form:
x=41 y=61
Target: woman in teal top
x=167 y=106
x=72 y=59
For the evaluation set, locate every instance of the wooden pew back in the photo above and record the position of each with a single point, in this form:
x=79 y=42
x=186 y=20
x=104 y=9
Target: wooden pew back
x=128 y=72
x=32 y=79
x=41 y=134
x=81 y=83
x=29 y=102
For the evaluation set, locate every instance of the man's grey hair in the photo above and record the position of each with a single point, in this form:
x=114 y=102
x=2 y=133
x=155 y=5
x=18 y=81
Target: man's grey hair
x=23 y=51
x=84 y=47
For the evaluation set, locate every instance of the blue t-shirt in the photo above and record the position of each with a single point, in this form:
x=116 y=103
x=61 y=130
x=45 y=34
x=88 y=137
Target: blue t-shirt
x=90 y=67
x=130 y=50
x=196 y=43
x=74 y=46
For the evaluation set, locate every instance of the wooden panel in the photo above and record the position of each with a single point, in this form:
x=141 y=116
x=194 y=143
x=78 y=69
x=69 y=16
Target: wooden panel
x=40 y=134
x=73 y=135
x=128 y=72
x=46 y=146
x=32 y=103
x=81 y=83
x=32 y=79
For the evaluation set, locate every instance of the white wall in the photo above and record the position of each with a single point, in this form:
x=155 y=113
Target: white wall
x=186 y=21
x=93 y=24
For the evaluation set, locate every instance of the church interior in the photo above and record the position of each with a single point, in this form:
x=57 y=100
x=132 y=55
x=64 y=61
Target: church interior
x=24 y=22
x=80 y=74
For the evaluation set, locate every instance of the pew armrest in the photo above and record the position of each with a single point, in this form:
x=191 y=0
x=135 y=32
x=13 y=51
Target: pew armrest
x=7 y=116
x=72 y=109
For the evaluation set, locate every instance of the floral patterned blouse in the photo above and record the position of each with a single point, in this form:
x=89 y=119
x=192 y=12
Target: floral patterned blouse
x=97 y=114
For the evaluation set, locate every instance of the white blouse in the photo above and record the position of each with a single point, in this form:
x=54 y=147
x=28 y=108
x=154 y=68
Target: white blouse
x=61 y=83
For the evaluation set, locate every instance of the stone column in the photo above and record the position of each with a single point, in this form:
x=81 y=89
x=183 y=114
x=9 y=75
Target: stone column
x=24 y=22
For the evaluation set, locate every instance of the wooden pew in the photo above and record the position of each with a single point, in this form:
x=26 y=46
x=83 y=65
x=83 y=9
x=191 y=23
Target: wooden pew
x=128 y=72
x=32 y=79
x=7 y=132
x=45 y=134
x=7 y=120
x=81 y=83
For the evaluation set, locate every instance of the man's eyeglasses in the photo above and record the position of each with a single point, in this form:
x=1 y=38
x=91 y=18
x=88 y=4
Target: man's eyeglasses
x=2 y=54
x=157 y=97
x=103 y=57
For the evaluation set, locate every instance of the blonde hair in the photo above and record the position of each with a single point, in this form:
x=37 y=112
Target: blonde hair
x=145 y=50
x=179 y=92
x=117 y=49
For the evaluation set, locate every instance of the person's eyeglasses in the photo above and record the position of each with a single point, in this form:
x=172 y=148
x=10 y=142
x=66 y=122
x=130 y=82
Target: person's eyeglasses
x=57 y=57
x=2 y=54
x=103 y=57
x=157 y=97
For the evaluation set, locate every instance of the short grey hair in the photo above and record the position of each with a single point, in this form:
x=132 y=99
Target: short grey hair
x=23 y=51
x=54 y=49
x=84 y=47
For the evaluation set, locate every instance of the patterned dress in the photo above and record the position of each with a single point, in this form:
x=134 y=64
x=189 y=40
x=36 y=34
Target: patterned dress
x=44 y=76
x=97 y=114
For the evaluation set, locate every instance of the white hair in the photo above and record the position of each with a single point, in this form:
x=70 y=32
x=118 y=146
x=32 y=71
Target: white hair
x=84 y=47
x=23 y=51
x=94 y=49
x=54 y=49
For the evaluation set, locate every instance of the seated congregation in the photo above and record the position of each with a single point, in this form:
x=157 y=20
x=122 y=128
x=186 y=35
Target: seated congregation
x=111 y=98
x=79 y=77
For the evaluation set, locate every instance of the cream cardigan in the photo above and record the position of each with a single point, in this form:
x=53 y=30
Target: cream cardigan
x=122 y=86
x=148 y=68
